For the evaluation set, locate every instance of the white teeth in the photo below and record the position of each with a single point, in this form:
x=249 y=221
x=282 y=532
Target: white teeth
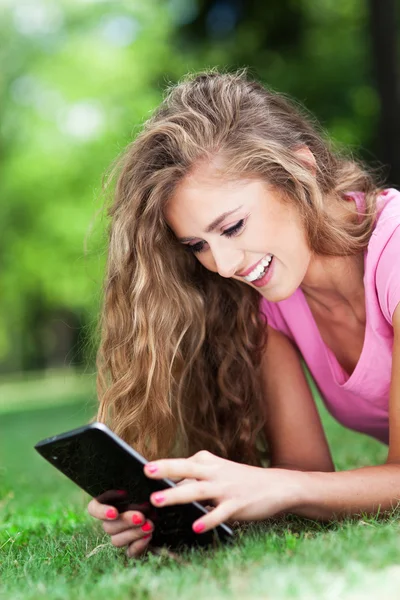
x=255 y=274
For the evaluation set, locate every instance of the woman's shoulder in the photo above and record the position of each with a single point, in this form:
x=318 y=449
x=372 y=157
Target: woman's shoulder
x=388 y=209
x=387 y=221
x=387 y=204
x=383 y=257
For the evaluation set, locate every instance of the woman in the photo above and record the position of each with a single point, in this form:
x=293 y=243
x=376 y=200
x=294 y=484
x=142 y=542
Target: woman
x=231 y=207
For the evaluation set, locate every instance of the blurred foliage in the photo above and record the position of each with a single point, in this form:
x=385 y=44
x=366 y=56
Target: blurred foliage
x=319 y=52
x=77 y=80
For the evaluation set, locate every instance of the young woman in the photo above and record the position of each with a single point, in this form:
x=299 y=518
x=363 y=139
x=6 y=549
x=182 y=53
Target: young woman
x=240 y=241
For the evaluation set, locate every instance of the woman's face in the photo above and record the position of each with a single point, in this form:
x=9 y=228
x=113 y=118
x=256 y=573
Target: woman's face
x=260 y=226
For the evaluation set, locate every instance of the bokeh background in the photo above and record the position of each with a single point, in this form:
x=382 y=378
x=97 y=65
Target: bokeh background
x=77 y=80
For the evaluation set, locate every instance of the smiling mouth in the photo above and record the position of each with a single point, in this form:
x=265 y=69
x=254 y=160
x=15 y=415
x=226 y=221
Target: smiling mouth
x=260 y=270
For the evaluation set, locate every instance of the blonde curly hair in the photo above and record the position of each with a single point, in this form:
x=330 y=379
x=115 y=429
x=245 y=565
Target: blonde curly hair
x=179 y=363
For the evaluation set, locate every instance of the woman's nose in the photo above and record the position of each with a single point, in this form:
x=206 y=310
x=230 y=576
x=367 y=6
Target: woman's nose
x=227 y=264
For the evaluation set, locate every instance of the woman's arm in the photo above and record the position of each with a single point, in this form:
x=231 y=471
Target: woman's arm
x=367 y=489
x=301 y=480
x=293 y=427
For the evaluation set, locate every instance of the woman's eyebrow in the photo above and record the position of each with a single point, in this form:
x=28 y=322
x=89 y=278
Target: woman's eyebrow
x=214 y=224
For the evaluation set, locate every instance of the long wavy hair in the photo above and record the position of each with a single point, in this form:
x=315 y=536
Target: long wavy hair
x=179 y=362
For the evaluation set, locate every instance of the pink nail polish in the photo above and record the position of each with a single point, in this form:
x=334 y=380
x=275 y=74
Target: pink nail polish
x=152 y=468
x=198 y=527
x=111 y=513
x=136 y=520
x=146 y=536
x=158 y=498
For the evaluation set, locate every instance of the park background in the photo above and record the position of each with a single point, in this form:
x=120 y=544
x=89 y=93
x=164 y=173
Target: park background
x=77 y=80
x=79 y=77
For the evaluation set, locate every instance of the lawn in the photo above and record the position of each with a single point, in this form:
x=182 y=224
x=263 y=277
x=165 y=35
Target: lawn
x=50 y=547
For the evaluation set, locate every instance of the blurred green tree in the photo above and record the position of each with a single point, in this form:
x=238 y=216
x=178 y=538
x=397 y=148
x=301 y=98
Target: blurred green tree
x=318 y=52
x=384 y=25
x=77 y=80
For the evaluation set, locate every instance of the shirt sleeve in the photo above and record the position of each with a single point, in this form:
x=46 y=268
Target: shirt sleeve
x=388 y=276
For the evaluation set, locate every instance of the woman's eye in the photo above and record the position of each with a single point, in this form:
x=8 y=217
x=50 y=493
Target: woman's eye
x=197 y=248
x=194 y=248
x=234 y=229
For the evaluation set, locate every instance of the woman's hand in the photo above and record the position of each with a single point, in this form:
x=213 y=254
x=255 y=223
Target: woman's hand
x=238 y=492
x=126 y=529
x=129 y=528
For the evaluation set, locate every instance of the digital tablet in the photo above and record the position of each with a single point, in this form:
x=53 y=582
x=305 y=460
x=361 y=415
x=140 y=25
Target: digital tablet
x=108 y=469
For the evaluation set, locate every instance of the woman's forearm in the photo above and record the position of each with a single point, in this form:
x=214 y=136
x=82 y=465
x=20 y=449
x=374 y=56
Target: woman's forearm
x=327 y=496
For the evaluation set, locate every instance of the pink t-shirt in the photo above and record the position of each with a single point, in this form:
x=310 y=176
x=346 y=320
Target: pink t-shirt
x=361 y=401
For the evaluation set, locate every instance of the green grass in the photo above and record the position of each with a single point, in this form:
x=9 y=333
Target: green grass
x=50 y=547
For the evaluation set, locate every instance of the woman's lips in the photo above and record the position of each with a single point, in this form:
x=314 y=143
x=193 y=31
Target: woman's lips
x=250 y=269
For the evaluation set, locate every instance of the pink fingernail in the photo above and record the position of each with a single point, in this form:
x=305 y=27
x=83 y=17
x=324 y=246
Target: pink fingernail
x=136 y=520
x=158 y=498
x=152 y=468
x=198 y=527
x=146 y=536
x=111 y=513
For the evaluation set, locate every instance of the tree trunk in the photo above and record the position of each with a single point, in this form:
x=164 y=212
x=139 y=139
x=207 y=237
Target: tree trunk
x=383 y=26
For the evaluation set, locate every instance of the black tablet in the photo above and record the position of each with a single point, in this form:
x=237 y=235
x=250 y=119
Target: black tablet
x=109 y=470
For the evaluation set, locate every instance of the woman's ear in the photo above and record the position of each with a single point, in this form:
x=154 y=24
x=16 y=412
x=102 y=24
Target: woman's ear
x=307 y=158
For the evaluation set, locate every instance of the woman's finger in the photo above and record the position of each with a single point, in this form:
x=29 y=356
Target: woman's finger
x=223 y=512
x=197 y=491
x=185 y=481
x=102 y=511
x=138 y=547
x=127 y=520
x=180 y=468
x=128 y=536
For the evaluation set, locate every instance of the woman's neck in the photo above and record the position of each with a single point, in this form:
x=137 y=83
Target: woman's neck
x=336 y=283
